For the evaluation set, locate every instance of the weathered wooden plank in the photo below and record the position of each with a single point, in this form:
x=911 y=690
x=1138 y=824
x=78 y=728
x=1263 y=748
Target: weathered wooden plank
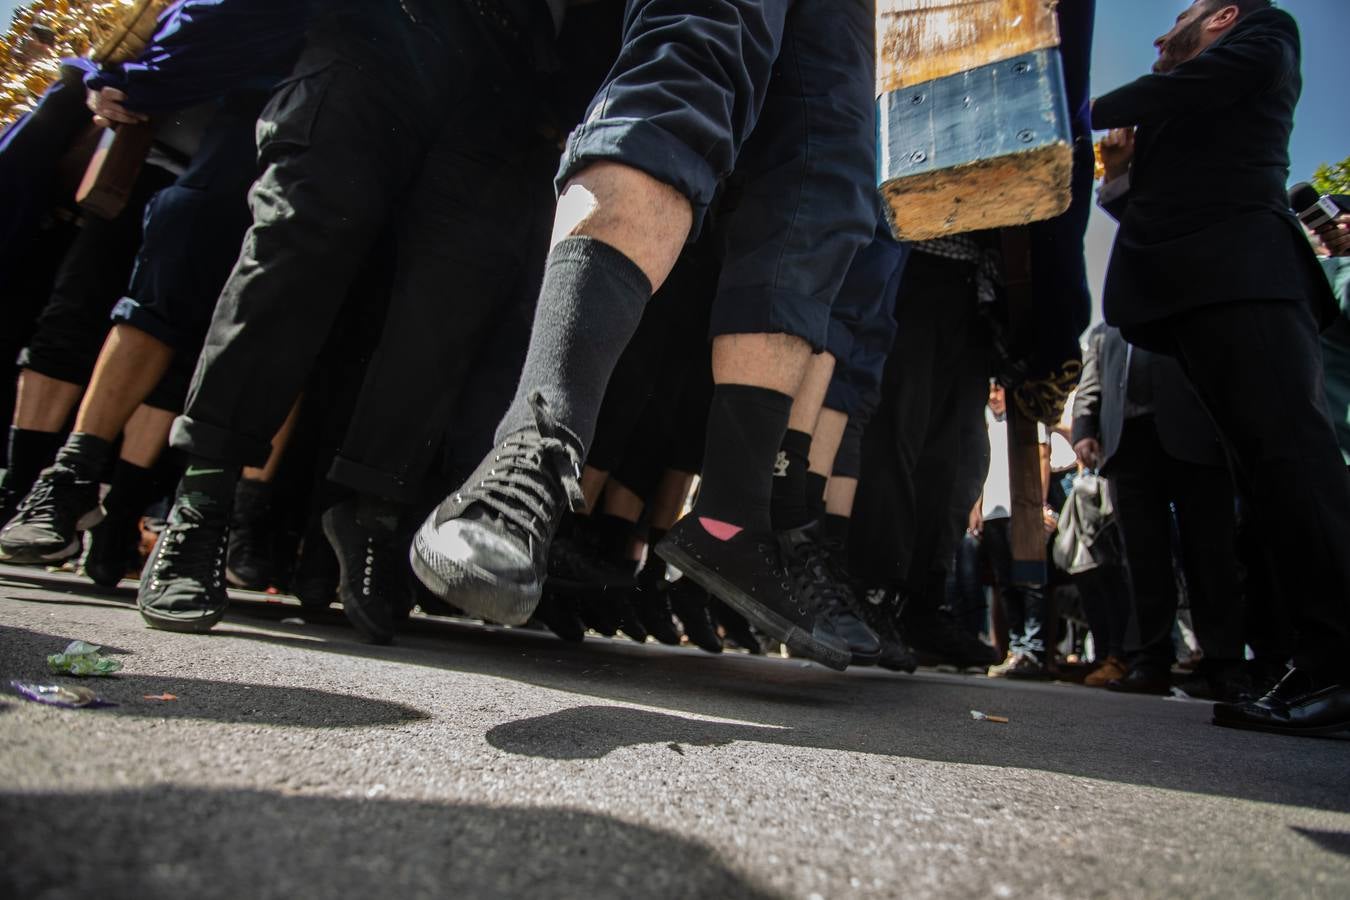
x=924 y=40
x=987 y=148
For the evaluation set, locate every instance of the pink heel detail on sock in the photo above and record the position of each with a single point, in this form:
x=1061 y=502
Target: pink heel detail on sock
x=723 y=531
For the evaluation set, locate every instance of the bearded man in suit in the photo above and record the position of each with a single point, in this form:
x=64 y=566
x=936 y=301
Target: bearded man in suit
x=1210 y=266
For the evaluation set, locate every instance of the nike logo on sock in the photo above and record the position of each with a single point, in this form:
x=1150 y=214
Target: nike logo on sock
x=723 y=531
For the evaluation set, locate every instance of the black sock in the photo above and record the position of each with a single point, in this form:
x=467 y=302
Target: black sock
x=815 y=496
x=86 y=454
x=130 y=491
x=745 y=429
x=208 y=482
x=836 y=528
x=611 y=534
x=589 y=306
x=29 y=453
x=789 y=481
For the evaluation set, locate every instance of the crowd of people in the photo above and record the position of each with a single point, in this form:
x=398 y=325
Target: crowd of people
x=588 y=314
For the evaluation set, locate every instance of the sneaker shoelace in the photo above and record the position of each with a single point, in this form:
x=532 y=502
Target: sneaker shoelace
x=37 y=508
x=189 y=546
x=533 y=471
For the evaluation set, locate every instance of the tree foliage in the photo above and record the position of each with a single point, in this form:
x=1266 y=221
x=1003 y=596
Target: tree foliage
x=1333 y=178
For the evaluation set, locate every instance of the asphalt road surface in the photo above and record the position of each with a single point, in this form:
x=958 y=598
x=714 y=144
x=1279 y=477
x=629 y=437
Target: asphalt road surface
x=475 y=762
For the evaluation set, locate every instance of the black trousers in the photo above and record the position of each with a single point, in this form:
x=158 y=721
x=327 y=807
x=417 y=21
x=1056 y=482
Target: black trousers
x=1257 y=366
x=1146 y=483
x=92 y=278
x=385 y=119
x=935 y=386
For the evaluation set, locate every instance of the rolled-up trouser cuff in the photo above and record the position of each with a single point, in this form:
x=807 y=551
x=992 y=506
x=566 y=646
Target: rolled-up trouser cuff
x=366 y=480
x=839 y=340
x=130 y=312
x=770 y=311
x=212 y=442
x=648 y=148
x=71 y=370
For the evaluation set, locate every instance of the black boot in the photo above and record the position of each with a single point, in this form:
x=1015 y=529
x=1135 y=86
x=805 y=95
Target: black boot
x=737 y=629
x=372 y=564
x=559 y=615
x=880 y=608
x=485 y=548
x=689 y=602
x=833 y=601
x=113 y=546
x=315 y=583
x=249 y=563
x=650 y=600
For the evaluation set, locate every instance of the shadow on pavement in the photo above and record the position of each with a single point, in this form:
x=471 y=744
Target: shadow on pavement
x=1054 y=728
x=180 y=842
x=1331 y=841
x=198 y=698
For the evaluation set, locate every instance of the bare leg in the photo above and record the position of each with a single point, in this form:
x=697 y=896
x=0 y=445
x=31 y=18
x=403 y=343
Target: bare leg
x=839 y=494
x=43 y=403
x=774 y=361
x=646 y=220
x=809 y=399
x=279 y=443
x=622 y=503
x=130 y=365
x=593 y=481
x=829 y=434
x=671 y=496
x=146 y=435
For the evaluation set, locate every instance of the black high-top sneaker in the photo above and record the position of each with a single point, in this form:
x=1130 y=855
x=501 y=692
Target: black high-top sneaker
x=372 y=564
x=485 y=548
x=749 y=572
x=651 y=601
x=111 y=550
x=879 y=608
x=809 y=564
x=248 y=564
x=47 y=524
x=690 y=603
x=183 y=585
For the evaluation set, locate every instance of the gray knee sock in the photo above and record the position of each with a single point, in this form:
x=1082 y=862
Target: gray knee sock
x=589 y=306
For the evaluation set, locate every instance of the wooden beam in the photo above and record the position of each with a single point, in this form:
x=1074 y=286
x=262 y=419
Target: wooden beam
x=924 y=40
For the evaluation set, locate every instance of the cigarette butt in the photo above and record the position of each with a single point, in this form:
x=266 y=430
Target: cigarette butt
x=999 y=719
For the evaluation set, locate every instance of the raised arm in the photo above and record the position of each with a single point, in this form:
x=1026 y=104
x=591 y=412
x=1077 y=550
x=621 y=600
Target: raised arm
x=1261 y=56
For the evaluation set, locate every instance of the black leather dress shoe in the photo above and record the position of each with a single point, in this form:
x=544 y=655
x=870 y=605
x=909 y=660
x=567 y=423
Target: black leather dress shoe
x=1299 y=704
x=1142 y=681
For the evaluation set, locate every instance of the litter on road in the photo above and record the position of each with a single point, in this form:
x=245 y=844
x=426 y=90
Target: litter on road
x=83 y=660
x=985 y=717
x=59 y=695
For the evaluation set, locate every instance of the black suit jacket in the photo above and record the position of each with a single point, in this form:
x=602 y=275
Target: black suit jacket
x=1184 y=428
x=1207 y=217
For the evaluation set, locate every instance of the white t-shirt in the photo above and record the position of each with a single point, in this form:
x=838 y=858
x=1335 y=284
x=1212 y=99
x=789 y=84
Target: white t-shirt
x=998 y=485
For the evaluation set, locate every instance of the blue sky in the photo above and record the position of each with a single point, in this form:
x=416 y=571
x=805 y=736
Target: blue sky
x=1124 y=50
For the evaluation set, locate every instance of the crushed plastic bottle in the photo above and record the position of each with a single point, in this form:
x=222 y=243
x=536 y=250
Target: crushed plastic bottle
x=83 y=660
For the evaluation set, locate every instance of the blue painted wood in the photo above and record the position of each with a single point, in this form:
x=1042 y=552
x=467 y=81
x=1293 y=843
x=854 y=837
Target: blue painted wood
x=1002 y=109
